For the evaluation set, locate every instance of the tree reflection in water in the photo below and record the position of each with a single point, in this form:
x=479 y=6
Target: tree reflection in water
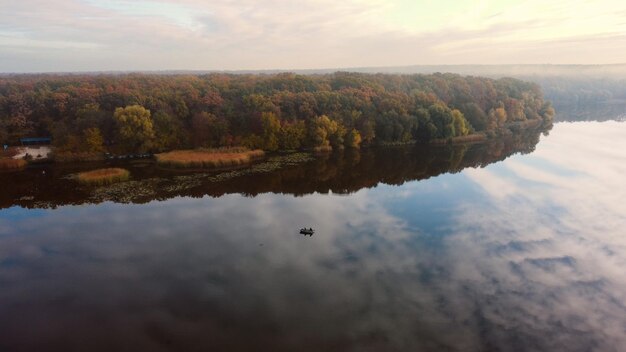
x=340 y=173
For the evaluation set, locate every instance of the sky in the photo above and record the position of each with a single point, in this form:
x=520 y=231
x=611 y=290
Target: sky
x=101 y=35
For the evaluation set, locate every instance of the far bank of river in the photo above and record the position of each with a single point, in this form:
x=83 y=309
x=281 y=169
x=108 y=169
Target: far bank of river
x=346 y=171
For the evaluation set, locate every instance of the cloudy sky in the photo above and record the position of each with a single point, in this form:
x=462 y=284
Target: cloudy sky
x=79 y=35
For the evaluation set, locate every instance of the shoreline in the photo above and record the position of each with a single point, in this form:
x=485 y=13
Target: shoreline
x=474 y=138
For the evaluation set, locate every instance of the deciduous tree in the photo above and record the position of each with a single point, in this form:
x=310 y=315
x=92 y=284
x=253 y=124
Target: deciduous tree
x=135 y=128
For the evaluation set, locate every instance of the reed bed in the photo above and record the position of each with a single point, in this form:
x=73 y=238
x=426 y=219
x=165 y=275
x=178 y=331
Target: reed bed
x=208 y=158
x=103 y=177
x=12 y=164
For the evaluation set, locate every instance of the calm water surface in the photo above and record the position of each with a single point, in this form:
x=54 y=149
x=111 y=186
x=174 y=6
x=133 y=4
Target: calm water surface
x=460 y=253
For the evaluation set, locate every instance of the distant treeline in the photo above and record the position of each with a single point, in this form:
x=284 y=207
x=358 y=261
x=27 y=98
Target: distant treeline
x=585 y=98
x=583 y=91
x=143 y=112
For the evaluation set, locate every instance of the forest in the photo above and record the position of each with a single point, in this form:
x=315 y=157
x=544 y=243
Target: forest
x=138 y=113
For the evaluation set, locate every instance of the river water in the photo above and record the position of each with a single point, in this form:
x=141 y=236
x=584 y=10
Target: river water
x=519 y=244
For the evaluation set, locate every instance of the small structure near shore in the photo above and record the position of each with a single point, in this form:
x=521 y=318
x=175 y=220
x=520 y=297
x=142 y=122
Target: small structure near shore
x=35 y=141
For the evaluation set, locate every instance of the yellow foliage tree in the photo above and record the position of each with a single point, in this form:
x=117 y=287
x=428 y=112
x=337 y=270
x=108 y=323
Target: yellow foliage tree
x=353 y=139
x=461 y=127
x=94 y=142
x=135 y=129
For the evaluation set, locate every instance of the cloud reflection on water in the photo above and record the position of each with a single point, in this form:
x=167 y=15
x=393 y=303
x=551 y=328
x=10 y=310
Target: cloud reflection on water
x=515 y=256
x=551 y=248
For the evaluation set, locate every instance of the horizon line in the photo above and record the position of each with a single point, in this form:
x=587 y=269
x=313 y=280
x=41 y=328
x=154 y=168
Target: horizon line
x=295 y=70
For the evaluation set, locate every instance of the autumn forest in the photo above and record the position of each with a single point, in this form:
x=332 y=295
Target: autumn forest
x=138 y=113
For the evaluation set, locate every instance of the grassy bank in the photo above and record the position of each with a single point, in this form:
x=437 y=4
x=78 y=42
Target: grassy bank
x=12 y=164
x=103 y=176
x=208 y=158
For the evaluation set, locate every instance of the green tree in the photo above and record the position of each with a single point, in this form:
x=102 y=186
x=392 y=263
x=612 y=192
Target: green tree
x=169 y=132
x=367 y=128
x=336 y=135
x=135 y=128
x=91 y=116
x=271 y=129
x=252 y=141
x=441 y=117
x=318 y=131
x=292 y=135
x=324 y=132
x=461 y=126
x=423 y=131
x=475 y=116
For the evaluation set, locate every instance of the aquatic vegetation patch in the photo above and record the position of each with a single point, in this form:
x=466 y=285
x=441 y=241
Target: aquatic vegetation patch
x=127 y=192
x=272 y=164
x=185 y=182
x=101 y=177
x=139 y=190
x=182 y=183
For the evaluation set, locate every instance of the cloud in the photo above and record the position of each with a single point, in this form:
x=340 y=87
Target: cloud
x=245 y=34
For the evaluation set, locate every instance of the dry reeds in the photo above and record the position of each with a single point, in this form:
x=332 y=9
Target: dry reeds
x=12 y=164
x=208 y=158
x=102 y=177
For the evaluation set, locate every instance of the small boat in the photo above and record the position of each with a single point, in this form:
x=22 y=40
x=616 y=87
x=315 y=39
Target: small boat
x=307 y=232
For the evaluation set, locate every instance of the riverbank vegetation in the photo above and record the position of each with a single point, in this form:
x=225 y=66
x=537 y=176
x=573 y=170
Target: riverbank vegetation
x=102 y=177
x=208 y=158
x=9 y=162
x=138 y=113
x=297 y=174
x=12 y=164
x=65 y=156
